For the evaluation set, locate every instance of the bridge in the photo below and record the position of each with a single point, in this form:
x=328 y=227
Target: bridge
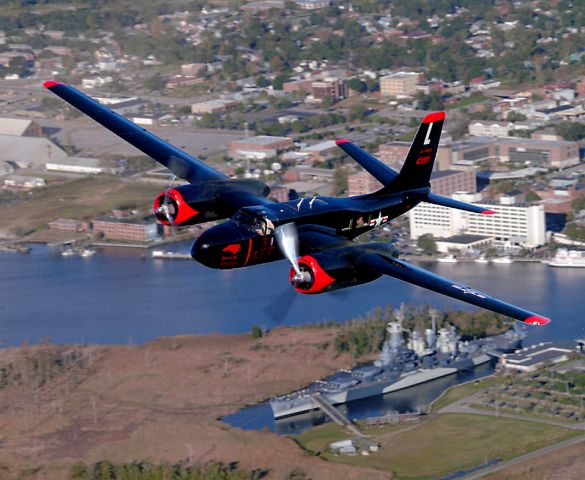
x=336 y=415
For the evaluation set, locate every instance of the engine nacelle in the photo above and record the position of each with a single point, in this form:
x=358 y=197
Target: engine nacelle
x=215 y=200
x=325 y=272
x=185 y=205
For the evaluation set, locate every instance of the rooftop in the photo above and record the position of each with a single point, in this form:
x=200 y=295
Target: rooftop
x=13 y=126
x=263 y=140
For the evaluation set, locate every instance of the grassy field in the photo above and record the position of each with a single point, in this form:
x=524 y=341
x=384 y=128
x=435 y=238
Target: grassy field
x=442 y=444
x=462 y=391
x=81 y=199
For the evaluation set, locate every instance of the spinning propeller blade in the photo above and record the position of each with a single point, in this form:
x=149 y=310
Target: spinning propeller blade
x=288 y=241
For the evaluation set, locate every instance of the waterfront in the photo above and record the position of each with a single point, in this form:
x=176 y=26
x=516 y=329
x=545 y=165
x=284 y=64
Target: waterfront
x=412 y=399
x=125 y=298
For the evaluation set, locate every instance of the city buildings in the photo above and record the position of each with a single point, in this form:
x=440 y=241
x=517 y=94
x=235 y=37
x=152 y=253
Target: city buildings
x=521 y=224
x=442 y=182
x=328 y=88
x=490 y=128
x=399 y=84
x=523 y=152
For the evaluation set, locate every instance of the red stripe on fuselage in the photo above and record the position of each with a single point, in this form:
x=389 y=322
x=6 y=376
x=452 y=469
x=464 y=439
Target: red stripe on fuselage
x=249 y=252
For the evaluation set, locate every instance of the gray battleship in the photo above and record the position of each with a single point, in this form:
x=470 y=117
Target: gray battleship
x=424 y=357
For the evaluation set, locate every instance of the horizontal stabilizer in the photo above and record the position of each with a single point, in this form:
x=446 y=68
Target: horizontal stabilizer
x=449 y=202
x=375 y=167
x=417 y=276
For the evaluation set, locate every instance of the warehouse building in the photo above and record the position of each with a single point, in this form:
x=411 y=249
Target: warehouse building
x=125 y=229
x=259 y=147
x=535 y=357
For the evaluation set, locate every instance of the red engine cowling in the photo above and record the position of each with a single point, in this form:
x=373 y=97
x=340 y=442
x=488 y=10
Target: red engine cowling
x=329 y=271
x=178 y=208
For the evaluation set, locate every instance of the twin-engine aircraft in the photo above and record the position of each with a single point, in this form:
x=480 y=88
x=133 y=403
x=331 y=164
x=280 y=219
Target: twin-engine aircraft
x=315 y=234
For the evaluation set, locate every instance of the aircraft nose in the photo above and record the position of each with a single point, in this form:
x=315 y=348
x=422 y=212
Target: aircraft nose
x=208 y=247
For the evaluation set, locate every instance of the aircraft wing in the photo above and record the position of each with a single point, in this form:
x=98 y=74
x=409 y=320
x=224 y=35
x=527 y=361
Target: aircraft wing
x=423 y=278
x=178 y=161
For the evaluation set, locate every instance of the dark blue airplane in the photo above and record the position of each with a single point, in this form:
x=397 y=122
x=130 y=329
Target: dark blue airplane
x=316 y=234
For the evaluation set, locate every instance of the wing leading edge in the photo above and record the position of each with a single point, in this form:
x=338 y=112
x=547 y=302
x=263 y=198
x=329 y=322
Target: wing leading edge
x=179 y=162
x=417 y=276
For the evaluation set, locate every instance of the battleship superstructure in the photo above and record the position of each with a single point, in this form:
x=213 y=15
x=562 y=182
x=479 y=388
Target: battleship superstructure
x=424 y=357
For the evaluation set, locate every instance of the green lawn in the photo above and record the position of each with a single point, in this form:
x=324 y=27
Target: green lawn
x=442 y=445
x=462 y=391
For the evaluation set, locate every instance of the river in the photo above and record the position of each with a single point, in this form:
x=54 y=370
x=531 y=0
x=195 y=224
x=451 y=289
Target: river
x=126 y=298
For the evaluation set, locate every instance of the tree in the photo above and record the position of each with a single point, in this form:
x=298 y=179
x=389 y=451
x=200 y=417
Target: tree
x=532 y=197
x=278 y=81
x=571 y=131
x=357 y=85
x=340 y=178
x=432 y=101
x=427 y=243
x=256 y=332
x=155 y=83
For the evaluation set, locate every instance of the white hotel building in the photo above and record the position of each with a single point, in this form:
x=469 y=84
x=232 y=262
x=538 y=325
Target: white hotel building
x=515 y=223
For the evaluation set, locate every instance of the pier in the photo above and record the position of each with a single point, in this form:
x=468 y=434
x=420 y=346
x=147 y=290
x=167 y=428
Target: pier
x=336 y=415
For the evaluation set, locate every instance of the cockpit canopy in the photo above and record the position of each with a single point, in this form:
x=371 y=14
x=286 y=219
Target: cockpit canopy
x=256 y=219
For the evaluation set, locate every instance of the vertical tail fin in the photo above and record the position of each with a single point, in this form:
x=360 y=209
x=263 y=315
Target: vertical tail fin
x=418 y=166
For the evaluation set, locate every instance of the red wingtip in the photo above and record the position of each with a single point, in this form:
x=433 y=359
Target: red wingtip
x=488 y=212
x=536 y=320
x=434 y=117
x=51 y=83
x=341 y=140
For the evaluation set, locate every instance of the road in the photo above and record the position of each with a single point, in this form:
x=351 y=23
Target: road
x=524 y=458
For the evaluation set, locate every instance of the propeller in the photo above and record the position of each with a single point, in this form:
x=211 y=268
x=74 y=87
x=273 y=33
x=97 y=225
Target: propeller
x=288 y=242
x=165 y=208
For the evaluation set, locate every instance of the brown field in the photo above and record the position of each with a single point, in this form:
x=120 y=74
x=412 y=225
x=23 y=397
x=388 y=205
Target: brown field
x=80 y=198
x=157 y=401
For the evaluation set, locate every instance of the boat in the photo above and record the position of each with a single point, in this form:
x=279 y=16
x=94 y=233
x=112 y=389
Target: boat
x=447 y=259
x=502 y=260
x=481 y=259
x=68 y=252
x=87 y=252
x=426 y=356
x=164 y=254
x=568 y=258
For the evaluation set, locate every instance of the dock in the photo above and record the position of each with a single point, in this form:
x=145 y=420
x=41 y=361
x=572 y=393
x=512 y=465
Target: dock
x=336 y=415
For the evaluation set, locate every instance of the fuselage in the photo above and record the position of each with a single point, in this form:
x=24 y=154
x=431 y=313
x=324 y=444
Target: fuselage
x=248 y=237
